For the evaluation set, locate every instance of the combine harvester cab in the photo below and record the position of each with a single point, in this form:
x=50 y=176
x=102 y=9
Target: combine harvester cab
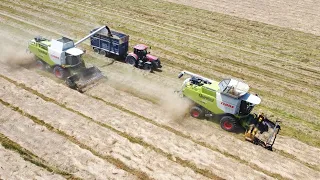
x=229 y=101
x=64 y=59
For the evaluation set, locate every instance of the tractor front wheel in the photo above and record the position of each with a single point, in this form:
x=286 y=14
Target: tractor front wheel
x=60 y=72
x=228 y=123
x=147 y=67
x=197 y=112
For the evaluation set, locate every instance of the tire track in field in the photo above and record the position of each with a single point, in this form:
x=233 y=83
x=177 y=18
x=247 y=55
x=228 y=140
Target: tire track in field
x=116 y=149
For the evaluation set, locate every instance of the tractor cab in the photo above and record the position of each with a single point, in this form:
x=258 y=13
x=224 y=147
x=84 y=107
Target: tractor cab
x=141 y=51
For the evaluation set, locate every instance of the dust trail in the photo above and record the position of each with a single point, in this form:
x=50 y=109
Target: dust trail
x=135 y=82
x=13 y=55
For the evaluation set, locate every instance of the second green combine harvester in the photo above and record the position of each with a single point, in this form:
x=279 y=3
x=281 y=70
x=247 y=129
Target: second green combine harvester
x=230 y=102
x=64 y=59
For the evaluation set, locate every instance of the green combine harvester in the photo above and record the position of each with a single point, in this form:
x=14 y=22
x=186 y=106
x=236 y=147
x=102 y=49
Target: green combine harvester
x=64 y=59
x=230 y=102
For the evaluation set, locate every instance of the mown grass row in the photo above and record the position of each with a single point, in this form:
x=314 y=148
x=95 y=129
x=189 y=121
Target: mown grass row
x=178 y=133
x=112 y=160
x=273 y=175
x=301 y=104
x=26 y=154
x=250 y=77
x=295 y=133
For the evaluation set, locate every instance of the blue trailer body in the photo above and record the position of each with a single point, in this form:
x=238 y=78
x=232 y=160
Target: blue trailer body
x=117 y=44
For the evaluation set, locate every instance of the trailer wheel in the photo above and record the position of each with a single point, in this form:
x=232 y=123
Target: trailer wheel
x=40 y=65
x=96 y=50
x=197 y=112
x=228 y=123
x=59 y=72
x=103 y=52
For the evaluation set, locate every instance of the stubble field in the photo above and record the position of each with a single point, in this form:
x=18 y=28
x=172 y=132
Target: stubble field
x=132 y=126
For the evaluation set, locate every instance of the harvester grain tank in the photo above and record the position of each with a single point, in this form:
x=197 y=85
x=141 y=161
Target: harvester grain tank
x=230 y=102
x=108 y=42
x=64 y=59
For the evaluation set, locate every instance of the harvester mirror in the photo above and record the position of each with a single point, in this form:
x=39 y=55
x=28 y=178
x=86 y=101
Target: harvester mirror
x=180 y=75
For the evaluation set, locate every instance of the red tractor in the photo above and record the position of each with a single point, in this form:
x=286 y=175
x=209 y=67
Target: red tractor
x=141 y=58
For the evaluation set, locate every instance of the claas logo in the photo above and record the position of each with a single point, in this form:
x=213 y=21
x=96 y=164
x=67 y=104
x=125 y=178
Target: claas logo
x=227 y=105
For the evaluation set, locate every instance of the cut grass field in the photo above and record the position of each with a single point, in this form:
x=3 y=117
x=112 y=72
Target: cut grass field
x=280 y=64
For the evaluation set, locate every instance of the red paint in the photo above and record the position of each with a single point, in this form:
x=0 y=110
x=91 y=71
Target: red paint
x=55 y=56
x=227 y=125
x=195 y=113
x=134 y=55
x=141 y=47
x=151 y=58
x=57 y=73
x=227 y=105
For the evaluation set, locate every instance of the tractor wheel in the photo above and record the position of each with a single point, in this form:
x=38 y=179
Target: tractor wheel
x=147 y=67
x=40 y=65
x=59 y=72
x=228 y=123
x=131 y=60
x=96 y=50
x=197 y=112
x=103 y=52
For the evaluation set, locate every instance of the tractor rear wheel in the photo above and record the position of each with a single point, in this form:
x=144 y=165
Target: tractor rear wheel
x=197 y=112
x=60 y=72
x=228 y=123
x=131 y=60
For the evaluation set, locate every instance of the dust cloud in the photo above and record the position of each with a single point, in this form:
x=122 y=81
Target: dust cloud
x=14 y=56
x=173 y=106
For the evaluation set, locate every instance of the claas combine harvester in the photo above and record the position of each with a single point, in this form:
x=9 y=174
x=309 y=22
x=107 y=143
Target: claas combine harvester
x=230 y=102
x=64 y=59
